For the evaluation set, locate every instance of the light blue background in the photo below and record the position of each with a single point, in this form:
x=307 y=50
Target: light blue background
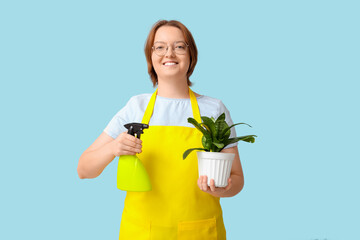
x=289 y=68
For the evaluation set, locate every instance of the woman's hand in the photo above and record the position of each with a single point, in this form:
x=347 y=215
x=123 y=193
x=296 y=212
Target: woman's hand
x=126 y=144
x=215 y=191
x=103 y=150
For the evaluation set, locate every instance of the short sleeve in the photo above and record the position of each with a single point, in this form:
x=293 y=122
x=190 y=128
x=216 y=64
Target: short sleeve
x=116 y=124
x=229 y=121
x=133 y=111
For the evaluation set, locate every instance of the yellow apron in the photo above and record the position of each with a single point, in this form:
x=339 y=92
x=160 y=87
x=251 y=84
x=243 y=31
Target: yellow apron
x=175 y=208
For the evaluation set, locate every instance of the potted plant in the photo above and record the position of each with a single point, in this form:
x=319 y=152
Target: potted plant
x=216 y=136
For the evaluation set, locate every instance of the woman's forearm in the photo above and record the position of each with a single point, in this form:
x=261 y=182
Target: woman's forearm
x=92 y=163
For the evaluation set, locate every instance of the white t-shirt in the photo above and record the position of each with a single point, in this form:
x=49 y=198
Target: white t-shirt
x=167 y=112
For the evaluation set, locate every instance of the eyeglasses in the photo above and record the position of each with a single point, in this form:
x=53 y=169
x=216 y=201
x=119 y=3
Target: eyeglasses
x=161 y=48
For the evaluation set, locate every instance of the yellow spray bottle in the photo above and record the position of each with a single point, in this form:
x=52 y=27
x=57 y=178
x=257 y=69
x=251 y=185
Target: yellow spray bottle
x=131 y=173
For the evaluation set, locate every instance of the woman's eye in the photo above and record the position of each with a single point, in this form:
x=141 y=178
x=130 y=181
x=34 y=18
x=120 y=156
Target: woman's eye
x=180 y=47
x=159 y=47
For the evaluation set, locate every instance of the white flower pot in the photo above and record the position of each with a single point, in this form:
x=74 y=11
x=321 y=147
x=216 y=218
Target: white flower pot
x=215 y=165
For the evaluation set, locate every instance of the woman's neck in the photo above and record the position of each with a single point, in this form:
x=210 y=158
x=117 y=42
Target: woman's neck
x=173 y=89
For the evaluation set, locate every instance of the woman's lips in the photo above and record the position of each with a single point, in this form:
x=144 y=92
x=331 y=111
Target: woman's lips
x=169 y=63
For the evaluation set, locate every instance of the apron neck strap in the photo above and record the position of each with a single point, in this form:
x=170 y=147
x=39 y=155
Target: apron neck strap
x=194 y=106
x=150 y=107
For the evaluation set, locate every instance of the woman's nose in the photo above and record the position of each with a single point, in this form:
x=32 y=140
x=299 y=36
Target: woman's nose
x=169 y=52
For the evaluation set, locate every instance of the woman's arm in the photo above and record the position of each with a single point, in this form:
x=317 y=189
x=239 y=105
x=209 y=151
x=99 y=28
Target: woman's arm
x=104 y=149
x=235 y=182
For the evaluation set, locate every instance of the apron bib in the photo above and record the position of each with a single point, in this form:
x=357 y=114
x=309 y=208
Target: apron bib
x=175 y=208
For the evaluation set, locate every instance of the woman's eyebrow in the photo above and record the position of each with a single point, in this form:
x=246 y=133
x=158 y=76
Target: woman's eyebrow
x=166 y=42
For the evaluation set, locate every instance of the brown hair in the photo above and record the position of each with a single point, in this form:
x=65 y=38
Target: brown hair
x=188 y=38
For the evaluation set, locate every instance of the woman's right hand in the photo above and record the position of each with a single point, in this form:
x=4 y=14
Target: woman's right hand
x=103 y=150
x=126 y=144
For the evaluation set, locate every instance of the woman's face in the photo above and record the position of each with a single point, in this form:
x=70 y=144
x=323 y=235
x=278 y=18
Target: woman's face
x=171 y=65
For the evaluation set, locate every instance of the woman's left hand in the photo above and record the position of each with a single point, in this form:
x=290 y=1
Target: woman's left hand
x=202 y=183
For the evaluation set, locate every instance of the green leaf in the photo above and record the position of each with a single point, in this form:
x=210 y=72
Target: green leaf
x=187 y=152
x=216 y=134
x=221 y=117
x=226 y=132
x=247 y=138
x=219 y=128
x=209 y=123
x=206 y=127
x=199 y=127
x=219 y=145
x=206 y=142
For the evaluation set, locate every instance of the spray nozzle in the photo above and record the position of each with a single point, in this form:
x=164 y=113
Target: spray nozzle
x=136 y=128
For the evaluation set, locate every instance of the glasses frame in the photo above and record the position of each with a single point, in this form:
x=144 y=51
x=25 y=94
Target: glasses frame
x=167 y=48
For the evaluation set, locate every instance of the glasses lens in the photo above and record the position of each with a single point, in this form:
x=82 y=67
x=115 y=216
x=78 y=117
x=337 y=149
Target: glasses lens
x=160 y=48
x=180 y=47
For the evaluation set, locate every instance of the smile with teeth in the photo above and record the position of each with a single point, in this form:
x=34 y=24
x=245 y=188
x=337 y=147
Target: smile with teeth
x=170 y=63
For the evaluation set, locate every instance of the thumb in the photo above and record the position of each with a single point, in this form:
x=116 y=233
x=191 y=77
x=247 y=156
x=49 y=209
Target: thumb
x=121 y=135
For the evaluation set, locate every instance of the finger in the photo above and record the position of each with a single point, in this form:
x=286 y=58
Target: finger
x=198 y=182
x=127 y=153
x=204 y=183
x=121 y=135
x=131 y=143
x=212 y=185
x=130 y=149
x=229 y=184
x=133 y=139
x=201 y=182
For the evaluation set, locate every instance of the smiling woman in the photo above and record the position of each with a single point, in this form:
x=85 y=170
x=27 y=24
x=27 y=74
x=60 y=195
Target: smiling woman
x=159 y=33
x=170 y=66
x=180 y=205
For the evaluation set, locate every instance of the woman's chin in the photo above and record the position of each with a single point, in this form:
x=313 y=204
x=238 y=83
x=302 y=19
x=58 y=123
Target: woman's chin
x=171 y=77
